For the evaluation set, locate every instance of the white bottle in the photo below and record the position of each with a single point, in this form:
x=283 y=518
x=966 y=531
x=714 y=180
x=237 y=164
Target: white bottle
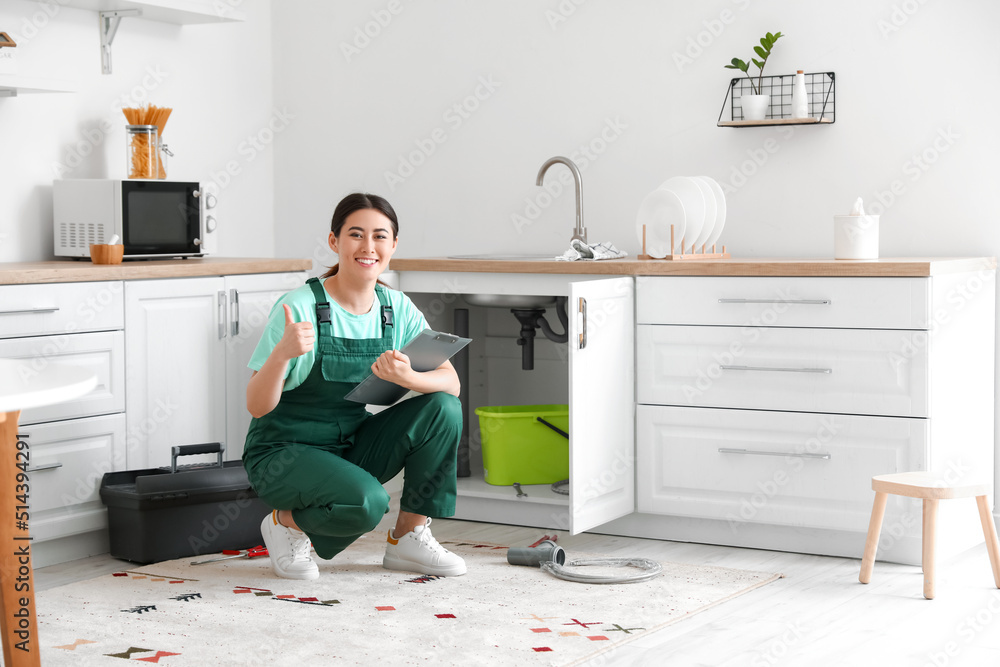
x=800 y=100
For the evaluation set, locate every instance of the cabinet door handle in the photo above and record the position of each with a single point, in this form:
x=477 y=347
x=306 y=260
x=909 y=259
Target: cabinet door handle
x=794 y=302
x=27 y=311
x=234 y=311
x=45 y=466
x=582 y=319
x=769 y=368
x=764 y=452
x=222 y=313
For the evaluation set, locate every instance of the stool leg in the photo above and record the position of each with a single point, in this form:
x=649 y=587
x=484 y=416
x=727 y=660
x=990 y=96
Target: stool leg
x=874 y=530
x=990 y=531
x=930 y=527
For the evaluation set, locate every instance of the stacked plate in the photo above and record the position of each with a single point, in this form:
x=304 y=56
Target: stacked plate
x=694 y=205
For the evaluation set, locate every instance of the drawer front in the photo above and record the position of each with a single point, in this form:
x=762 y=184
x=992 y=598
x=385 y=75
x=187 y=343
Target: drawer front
x=867 y=303
x=68 y=460
x=784 y=468
x=36 y=310
x=101 y=353
x=851 y=371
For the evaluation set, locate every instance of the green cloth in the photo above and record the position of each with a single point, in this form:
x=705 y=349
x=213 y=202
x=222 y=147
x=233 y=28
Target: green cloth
x=409 y=322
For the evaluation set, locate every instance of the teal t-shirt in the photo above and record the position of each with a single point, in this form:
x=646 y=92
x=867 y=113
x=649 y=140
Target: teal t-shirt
x=408 y=321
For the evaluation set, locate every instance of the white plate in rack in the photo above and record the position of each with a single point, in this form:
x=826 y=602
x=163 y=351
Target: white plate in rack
x=720 y=211
x=710 y=212
x=660 y=209
x=694 y=208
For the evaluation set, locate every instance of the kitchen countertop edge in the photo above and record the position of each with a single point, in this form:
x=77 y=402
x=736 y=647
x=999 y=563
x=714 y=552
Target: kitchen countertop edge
x=889 y=267
x=70 y=271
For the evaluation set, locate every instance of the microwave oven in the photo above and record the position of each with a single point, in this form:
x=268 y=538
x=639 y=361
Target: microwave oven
x=152 y=218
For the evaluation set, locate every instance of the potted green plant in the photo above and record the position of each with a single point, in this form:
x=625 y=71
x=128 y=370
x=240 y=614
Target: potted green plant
x=755 y=106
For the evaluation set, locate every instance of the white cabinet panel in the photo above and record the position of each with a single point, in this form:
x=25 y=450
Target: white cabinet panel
x=68 y=460
x=101 y=353
x=175 y=366
x=855 y=371
x=36 y=310
x=870 y=303
x=794 y=469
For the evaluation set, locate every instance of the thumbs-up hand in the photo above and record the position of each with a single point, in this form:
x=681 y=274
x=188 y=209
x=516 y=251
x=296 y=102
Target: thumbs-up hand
x=298 y=338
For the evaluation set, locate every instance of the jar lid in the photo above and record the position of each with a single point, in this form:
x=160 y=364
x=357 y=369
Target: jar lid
x=140 y=128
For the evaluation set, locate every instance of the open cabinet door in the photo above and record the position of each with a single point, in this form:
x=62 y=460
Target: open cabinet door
x=602 y=401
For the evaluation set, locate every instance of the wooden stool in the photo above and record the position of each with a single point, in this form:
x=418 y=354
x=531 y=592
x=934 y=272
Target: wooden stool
x=931 y=488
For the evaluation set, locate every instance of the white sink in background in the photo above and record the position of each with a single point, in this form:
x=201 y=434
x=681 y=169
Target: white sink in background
x=510 y=300
x=507 y=257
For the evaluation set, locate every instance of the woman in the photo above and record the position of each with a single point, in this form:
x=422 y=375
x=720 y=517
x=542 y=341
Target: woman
x=321 y=460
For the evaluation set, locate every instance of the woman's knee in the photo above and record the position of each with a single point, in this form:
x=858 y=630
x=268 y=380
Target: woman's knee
x=447 y=406
x=367 y=513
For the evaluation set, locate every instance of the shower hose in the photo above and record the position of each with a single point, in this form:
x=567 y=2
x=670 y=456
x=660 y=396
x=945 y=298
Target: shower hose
x=571 y=571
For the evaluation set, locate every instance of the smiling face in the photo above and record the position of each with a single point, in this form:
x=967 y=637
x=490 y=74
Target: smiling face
x=365 y=245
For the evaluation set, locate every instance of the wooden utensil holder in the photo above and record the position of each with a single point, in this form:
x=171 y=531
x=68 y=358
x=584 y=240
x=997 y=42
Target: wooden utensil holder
x=102 y=253
x=694 y=254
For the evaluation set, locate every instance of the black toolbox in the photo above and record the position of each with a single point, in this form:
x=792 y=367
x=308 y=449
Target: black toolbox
x=165 y=513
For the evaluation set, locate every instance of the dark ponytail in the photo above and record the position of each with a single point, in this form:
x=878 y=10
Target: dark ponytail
x=359 y=201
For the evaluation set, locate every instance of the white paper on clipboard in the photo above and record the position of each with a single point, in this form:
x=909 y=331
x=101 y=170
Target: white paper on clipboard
x=427 y=351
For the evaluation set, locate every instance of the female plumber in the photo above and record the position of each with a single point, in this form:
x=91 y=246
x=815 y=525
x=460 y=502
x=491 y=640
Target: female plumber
x=321 y=460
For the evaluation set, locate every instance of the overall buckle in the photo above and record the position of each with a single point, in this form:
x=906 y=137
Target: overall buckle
x=386 y=316
x=323 y=313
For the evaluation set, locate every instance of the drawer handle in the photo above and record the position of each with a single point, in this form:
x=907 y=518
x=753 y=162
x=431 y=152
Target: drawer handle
x=794 y=302
x=45 y=466
x=27 y=311
x=761 y=452
x=768 y=368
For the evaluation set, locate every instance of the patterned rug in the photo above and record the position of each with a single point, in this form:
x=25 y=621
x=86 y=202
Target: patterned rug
x=235 y=612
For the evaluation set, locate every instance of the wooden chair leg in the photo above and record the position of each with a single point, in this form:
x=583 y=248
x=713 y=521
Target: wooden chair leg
x=990 y=532
x=874 y=530
x=929 y=530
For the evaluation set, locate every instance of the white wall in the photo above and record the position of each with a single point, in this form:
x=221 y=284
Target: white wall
x=216 y=77
x=904 y=81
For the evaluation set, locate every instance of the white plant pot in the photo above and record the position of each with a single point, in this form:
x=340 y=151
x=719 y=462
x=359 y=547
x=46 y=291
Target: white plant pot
x=855 y=237
x=754 y=106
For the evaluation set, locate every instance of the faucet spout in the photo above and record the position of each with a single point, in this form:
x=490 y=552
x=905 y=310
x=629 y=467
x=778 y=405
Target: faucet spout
x=579 y=232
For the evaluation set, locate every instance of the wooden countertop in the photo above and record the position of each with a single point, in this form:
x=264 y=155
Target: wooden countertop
x=69 y=271
x=887 y=267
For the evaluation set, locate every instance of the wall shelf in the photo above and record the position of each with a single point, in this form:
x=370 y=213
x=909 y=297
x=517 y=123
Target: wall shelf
x=12 y=85
x=178 y=12
x=821 y=94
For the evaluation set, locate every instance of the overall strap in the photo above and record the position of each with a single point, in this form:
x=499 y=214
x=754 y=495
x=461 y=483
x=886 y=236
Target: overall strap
x=386 y=311
x=322 y=307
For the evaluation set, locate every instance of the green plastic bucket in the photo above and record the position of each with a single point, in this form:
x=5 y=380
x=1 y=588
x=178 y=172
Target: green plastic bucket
x=519 y=448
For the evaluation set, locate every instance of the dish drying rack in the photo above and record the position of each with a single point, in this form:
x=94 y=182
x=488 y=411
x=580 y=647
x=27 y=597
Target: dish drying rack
x=821 y=92
x=694 y=254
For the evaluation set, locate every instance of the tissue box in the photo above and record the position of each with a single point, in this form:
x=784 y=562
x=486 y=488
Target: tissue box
x=855 y=237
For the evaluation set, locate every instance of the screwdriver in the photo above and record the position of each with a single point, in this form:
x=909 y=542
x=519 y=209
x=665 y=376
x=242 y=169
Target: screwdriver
x=258 y=550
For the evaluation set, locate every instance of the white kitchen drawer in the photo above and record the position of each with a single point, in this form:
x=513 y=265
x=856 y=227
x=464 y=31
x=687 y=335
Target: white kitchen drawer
x=806 y=470
x=869 y=303
x=851 y=371
x=36 y=310
x=102 y=353
x=71 y=457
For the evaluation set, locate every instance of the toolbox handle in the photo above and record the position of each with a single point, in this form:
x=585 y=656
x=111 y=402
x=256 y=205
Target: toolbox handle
x=190 y=450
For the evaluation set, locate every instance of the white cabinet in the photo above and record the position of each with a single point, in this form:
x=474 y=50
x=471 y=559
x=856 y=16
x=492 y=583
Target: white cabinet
x=766 y=405
x=188 y=341
x=71 y=444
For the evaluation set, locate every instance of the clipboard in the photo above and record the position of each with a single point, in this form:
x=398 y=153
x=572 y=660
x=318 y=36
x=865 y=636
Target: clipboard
x=427 y=351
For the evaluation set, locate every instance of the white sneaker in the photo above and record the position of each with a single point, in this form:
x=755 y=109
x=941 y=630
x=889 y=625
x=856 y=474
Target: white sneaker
x=288 y=550
x=419 y=552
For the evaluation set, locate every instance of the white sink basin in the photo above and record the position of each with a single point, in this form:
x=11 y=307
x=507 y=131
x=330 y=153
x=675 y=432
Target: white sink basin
x=507 y=257
x=509 y=300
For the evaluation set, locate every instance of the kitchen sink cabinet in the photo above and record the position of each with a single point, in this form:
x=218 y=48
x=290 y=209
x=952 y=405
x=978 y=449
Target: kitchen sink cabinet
x=759 y=406
x=188 y=341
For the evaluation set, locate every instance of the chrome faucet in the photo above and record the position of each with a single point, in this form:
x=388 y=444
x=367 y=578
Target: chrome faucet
x=579 y=232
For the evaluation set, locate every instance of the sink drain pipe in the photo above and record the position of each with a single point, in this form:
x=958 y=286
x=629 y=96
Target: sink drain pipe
x=534 y=318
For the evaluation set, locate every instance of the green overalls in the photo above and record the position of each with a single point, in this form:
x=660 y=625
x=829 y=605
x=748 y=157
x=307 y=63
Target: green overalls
x=326 y=458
